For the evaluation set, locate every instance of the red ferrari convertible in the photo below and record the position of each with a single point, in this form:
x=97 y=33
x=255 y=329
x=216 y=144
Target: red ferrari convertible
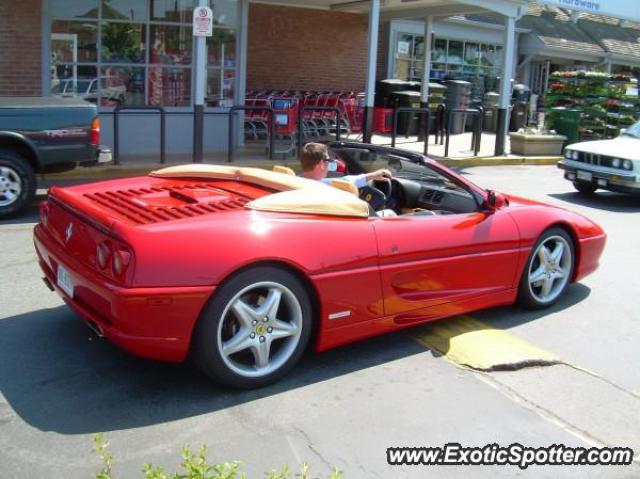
x=241 y=268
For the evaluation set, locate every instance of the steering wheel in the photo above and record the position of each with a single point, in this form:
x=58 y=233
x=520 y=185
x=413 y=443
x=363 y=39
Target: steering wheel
x=375 y=196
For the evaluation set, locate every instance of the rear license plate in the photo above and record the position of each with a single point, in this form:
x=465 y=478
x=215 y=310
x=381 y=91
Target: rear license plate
x=585 y=176
x=64 y=281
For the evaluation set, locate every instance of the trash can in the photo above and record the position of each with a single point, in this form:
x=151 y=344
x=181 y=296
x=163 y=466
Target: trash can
x=491 y=100
x=384 y=89
x=565 y=121
x=519 y=106
x=408 y=123
x=518 y=118
x=458 y=98
x=521 y=92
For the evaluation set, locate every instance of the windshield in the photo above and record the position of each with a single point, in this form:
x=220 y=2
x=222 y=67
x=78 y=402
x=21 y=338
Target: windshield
x=362 y=160
x=633 y=131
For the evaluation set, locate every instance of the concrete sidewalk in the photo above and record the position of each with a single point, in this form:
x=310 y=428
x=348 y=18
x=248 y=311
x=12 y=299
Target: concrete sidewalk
x=255 y=155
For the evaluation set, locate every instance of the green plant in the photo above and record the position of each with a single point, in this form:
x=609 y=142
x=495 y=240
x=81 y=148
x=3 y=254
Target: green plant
x=197 y=466
x=100 y=448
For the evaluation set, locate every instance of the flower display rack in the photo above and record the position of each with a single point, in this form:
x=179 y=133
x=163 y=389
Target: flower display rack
x=608 y=103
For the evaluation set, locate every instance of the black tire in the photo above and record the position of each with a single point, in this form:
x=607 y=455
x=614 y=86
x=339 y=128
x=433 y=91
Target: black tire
x=14 y=167
x=585 y=188
x=528 y=295
x=217 y=320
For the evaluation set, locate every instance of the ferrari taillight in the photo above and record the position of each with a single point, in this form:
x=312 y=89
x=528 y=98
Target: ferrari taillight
x=120 y=262
x=103 y=253
x=94 y=135
x=114 y=259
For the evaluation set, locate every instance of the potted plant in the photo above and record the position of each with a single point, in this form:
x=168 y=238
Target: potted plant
x=536 y=142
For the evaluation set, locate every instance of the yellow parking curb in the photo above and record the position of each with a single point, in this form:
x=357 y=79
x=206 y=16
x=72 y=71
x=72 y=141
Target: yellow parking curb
x=472 y=343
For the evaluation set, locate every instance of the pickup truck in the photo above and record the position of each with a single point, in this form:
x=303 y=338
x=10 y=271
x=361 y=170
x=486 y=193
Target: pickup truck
x=43 y=135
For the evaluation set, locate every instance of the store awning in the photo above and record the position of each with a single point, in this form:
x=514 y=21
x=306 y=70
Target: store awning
x=555 y=34
x=416 y=8
x=620 y=39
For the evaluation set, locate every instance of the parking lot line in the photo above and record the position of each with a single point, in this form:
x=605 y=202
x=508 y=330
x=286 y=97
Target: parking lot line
x=472 y=343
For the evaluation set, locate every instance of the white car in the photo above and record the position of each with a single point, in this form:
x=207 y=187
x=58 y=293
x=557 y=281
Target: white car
x=612 y=165
x=112 y=89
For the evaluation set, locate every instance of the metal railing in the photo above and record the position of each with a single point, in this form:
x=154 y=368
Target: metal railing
x=476 y=137
x=140 y=109
x=300 y=126
x=424 y=113
x=232 y=139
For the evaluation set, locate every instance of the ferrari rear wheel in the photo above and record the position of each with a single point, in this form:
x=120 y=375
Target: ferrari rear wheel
x=548 y=270
x=255 y=329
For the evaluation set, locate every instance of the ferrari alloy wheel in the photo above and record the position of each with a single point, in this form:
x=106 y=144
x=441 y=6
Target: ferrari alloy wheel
x=548 y=270
x=255 y=329
x=17 y=183
x=584 y=188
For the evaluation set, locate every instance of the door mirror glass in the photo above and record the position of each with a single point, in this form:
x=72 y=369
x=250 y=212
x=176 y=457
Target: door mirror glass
x=494 y=200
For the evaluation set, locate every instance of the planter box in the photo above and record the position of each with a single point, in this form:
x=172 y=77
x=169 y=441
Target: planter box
x=536 y=145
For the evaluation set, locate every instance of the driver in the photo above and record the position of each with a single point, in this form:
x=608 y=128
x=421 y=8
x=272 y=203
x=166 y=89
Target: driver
x=316 y=164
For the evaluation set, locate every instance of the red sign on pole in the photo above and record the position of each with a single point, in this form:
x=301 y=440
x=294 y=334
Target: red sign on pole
x=202 y=22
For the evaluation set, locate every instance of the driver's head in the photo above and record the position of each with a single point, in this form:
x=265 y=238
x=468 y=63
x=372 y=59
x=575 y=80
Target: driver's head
x=315 y=161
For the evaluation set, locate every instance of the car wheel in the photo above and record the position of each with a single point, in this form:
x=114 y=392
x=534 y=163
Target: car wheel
x=254 y=329
x=584 y=188
x=548 y=270
x=17 y=183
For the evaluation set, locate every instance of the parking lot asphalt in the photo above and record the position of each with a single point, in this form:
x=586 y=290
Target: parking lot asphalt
x=59 y=384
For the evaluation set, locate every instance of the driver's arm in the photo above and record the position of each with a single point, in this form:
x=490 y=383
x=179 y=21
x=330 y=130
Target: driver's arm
x=381 y=174
x=361 y=180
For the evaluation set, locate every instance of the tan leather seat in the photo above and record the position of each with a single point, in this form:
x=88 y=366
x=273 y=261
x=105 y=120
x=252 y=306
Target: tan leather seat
x=345 y=186
x=256 y=176
x=285 y=170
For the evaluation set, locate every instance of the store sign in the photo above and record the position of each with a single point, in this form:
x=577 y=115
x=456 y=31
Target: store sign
x=202 y=22
x=627 y=9
x=403 y=48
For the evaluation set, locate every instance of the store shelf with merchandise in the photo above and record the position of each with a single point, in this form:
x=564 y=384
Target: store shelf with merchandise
x=608 y=103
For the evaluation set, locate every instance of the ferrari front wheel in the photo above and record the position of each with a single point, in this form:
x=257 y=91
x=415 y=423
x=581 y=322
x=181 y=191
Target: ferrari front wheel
x=255 y=328
x=548 y=270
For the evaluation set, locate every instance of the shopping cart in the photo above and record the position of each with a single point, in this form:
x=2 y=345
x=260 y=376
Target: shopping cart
x=285 y=115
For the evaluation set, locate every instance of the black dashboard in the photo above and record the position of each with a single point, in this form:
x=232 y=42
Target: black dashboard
x=431 y=195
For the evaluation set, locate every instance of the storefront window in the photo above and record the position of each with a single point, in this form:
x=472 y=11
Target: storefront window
x=139 y=52
x=409 y=56
x=73 y=41
x=172 y=10
x=122 y=85
x=471 y=54
x=74 y=80
x=170 y=86
x=220 y=87
x=439 y=52
x=221 y=48
x=225 y=12
x=74 y=8
x=450 y=59
x=131 y=10
x=123 y=42
x=454 y=53
x=171 y=44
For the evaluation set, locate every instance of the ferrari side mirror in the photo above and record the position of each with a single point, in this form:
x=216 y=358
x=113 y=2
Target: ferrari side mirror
x=494 y=201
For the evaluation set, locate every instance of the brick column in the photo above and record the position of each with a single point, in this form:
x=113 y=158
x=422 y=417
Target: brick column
x=20 y=48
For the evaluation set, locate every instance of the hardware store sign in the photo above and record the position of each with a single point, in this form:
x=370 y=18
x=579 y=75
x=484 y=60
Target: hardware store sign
x=627 y=9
